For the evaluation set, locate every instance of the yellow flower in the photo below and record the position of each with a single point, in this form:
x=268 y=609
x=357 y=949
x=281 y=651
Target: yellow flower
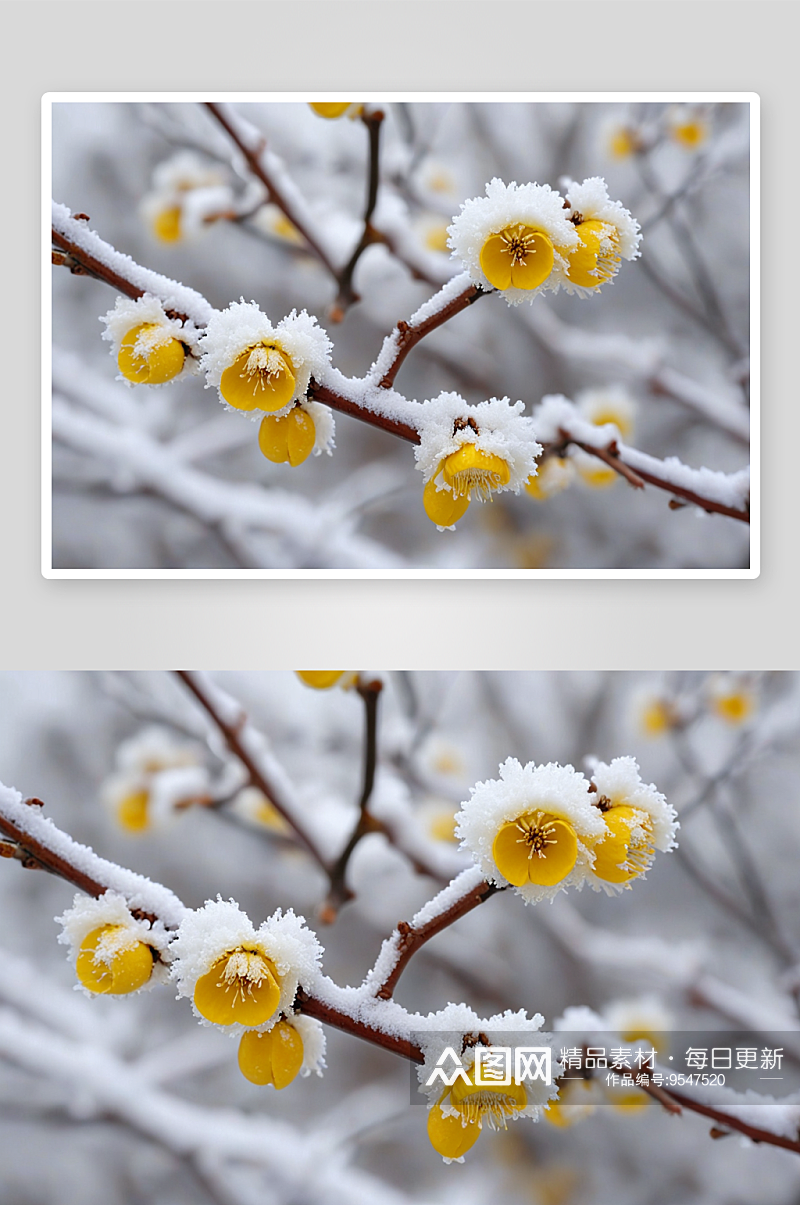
x=469 y=469
x=657 y=717
x=520 y=256
x=554 y=475
x=733 y=706
x=436 y=237
x=623 y=141
x=320 y=679
x=690 y=134
x=330 y=109
x=271 y=1058
x=261 y=377
x=167 y=224
x=594 y=472
x=597 y=257
x=535 y=848
x=288 y=440
x=132 y=812
x=627 y=850
x=452 y=1136
x=242 y=987
x=150 y=355
x=111 y=962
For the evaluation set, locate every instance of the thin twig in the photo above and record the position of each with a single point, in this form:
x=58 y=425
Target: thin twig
x=406 y=336
x=670 y=1099
x=339 y=893
x=232 y=736
x=254 y=159
x=346 y=295
x=408 y=939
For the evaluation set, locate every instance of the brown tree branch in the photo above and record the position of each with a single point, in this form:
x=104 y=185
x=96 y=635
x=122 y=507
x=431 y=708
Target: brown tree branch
x=408 y=939
x=345 y=405
x=346 y=295
x=674 y=1101
x=406 y=336
x=338 y=892
x=232 y=736
x=613 y=456
x=275 y=194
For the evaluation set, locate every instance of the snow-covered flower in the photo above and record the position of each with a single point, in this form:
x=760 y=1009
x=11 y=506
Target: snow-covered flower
x=237 y=975
x=731 y=697
x=554 y=474
x=258 y=367
x=515 y=239
x=291 y=438
x=253 y=807
x=114 y=952
x=639 y=821
x=188 y=193
x=608 y=404
x=466 y=450
x=273 y=221
x=623 y=141
x=534 y=828
x=150 y=347
x=459 y=1109
x=688 y=126
x=156 y=777
x=336 y=108
x=607 y=233
x=657 y=715
x=293 y=1046
x=591 y=470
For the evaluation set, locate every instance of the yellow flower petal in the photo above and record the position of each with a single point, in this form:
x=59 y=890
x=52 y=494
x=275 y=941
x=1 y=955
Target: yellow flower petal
x=620 y=856
x=548 y=845
x=148 y=355
x=132 y=812
x=271 y=1058
x=519 y=255
x=114 y=974
x=241 y=987
x=594 y=262
x=451 y=1137
x=443 y=508
x=496 y=262
x=261 y=378
x=469 y=468
x=167 y=224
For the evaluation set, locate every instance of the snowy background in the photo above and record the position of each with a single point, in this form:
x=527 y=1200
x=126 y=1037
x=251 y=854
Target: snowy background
x=710 y=934
x=672 y=330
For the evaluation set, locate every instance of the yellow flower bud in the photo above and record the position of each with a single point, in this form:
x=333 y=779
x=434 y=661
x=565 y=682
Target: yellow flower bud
x=271 y=1058
x=150 y=355
x=242 y=987
x=330 y=109
x=535 y=848
x=289 y=439
x=554 y=475
x=261 y=378
x=519 y=255
x=132 y=812
x=320 y=679
x=597 y=258
x=111 y=963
